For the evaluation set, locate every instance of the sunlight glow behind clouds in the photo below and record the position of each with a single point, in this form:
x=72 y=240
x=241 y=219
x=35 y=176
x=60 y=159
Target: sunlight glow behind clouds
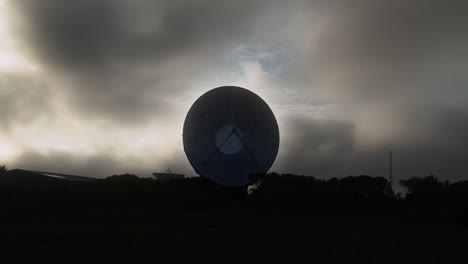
x=10 y=57
x=8 y=151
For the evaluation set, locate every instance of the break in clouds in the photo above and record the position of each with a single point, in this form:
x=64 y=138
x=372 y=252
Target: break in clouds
x=103 y=86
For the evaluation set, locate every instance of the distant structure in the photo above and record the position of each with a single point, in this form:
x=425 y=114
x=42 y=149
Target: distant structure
x=167 y=175
x=391 y=169
x=62 y=176
x=26 y=179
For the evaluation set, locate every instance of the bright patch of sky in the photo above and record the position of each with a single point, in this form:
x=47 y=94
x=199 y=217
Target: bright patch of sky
x=10 y=57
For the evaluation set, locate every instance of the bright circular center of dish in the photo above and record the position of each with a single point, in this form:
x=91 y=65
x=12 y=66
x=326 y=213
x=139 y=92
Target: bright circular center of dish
x=228 y=141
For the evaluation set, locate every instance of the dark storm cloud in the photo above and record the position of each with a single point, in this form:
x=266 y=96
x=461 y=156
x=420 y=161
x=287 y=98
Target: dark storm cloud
x=122 y=59
x=379 y=48
x=19 y=103
x=403 y=63
x=312 y=137
x=327 y=148
x=94 y=34
x=314 y=145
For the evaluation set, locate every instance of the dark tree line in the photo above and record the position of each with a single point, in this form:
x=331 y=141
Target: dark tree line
x=427 y=198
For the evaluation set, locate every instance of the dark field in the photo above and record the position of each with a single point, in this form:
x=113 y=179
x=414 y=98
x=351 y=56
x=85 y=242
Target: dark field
x=286 y=219
x=136 y=235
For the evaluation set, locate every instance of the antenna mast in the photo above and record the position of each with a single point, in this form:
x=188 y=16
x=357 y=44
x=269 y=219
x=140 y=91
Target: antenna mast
x=391 y=170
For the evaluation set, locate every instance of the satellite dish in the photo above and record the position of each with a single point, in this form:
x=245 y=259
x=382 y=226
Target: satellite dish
x=230 y=133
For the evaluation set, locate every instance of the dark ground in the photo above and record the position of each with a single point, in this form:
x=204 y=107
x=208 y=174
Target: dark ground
x=137 y=235
x=288 y=219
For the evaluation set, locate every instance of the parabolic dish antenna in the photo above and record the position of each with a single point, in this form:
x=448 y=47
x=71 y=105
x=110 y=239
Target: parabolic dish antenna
x=230 y=133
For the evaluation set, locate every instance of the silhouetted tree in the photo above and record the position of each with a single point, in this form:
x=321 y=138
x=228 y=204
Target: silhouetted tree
x=122 y=179
x=363 y=186
x=426 y=188
x=3 y=170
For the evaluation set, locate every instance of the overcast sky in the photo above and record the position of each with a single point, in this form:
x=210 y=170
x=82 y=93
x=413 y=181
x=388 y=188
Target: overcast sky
x=102 y=87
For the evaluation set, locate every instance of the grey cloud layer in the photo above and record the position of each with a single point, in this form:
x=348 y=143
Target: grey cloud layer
x=398 y=66
x=120 y=60
x=378 y=48
x=22 y=100
x=90 y=35
x=391 y=67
